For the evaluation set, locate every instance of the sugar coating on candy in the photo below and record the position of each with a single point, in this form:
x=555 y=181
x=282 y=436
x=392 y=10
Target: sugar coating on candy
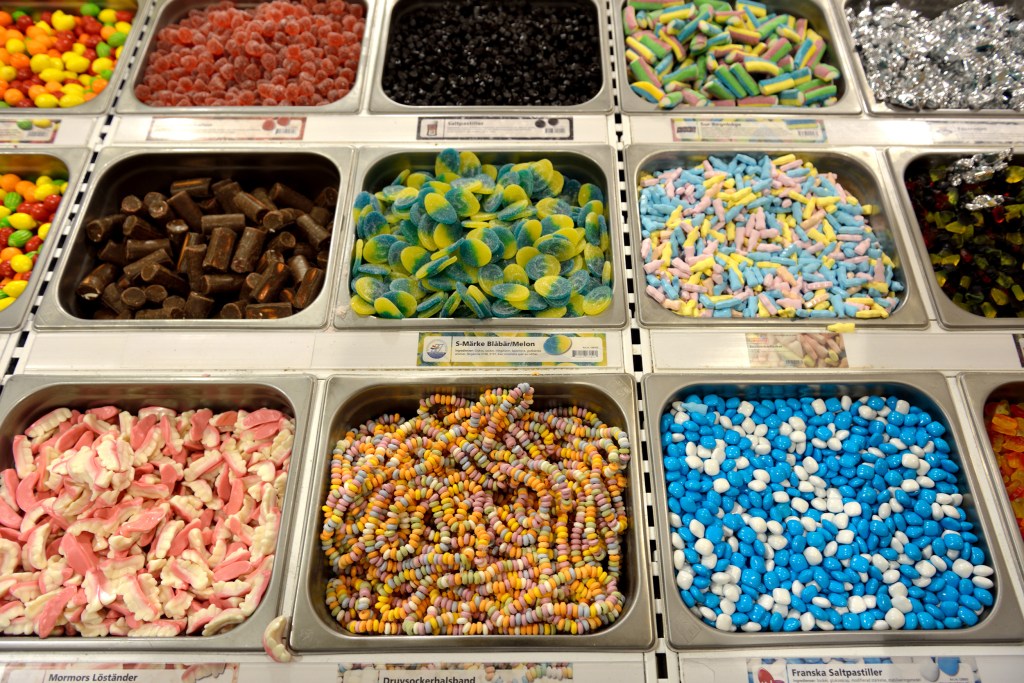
x=968 y=57
x=153 y=524
x=969 y=211
x=717 y=53
x=26 y=214
x=467 y=239
x=1004 y=423
x=478 y=517
x=808 y=513
x=59 y=59
x=754 y=236
x=280 y=53
x=493 y=52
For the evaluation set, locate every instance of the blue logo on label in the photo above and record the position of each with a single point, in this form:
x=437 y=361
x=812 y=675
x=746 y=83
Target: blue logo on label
x=437 y=350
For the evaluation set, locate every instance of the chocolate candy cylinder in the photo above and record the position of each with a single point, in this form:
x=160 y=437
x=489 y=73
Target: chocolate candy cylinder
x=197 y=306
x=138 y=228
x=156 y=294
x=286 y=196
x=131 y=205
x=187 y=210
x=282 y=242
x=225 y=191
x=268 y=311
x=247 y=252
x=111 y=298
x=298 y=265
x=155 y=274
x=157 y=206
x=136 y=249
x=133 y=298
x=231 y=221
x=232 y=311
x=104 y=228
x=253 y=208
x=158 y=257
x=273 y=280
x=219 y=284
x=275 y=220
x=317 y=235
x=218 y=253
x=310 y=286
x=198 y=188
x=93 y=284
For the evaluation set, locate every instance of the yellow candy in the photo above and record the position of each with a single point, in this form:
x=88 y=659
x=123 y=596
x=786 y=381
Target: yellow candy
x=15 y=287
x=4 y=303
x=77 y=64
x=102 y=64
x=43 y=231
x=21 y=264
x=4 y=212
x=46 y=101
x=78 y=49
x=44 y=191
x=107 y=16
x=70 y=100
x=62 y=22
x=46 y=123
x=123 y=27
x=38 y=63
x=15 y=46
x=50 y=75
x=8 y=73
x=21 y=221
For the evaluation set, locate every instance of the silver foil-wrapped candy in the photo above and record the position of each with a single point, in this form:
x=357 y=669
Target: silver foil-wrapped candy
x=978 y=169
x=968 y=57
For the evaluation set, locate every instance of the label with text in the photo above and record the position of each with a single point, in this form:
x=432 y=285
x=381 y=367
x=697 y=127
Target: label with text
x=476 y=672
x=494 y=128
x=238 y=128
x=511 y=349
x=864 y=670
x=983 y=132
x=120 y=673
x=748 y=130
x=803 y=350
x=32 y=131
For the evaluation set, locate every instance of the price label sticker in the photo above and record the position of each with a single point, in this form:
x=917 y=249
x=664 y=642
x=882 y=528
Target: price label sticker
x=505 y=672
x=238 y=128
x=981 y=132
x=748 y=130
x=864 y=670
x=120 y=673
x=34 y=131
x=804 y=350
x=526 y=349
x=494 y=128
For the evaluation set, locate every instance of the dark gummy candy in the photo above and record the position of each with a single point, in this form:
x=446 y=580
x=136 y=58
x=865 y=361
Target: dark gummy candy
x=493 y=52
x=977 y=254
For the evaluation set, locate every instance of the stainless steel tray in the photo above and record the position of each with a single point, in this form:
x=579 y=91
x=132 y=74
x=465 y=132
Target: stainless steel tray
x=819 y=13
x=1003 y=622
x=376 y=167
x=980 y=387
x=26 y=398
x=931 y=9
x=949 y=314
x=380 y=103
x=171 y=11
x=100 y=104
x=352 y=400
x=123 y=170
x=860 y=172
x=70 y=162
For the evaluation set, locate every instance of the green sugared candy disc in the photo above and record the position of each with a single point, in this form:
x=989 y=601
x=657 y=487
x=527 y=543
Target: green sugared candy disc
x=542 y=265
x=474 y=253
x=376 y=248
x=370 y=288
x=597 y=300
x=490 y=276
x=463 y=201
x=362 y=307
x=561 y=249
x=403 y=301
x=386 y=308
x=516 y=274
x=439 y=209
x=511 y=292
x=555 y=289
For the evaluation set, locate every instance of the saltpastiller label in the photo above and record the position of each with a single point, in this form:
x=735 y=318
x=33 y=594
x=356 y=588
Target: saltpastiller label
x=748 y=129
x=237 y=128
x=864 y=670
x=495 y=128
x=983 y=132
x=802 y=350
x=522 y=349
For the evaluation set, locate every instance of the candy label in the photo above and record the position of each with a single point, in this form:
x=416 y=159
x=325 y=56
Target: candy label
x=984 y=132
x=494 y=128
x=186 y=129
x=515 y=350
x=748 y=130
x=825 y=350
x=38 y=131
x=119 y=673
x=864 y=670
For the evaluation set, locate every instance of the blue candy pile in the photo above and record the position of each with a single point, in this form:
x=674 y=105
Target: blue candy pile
x=806 y=514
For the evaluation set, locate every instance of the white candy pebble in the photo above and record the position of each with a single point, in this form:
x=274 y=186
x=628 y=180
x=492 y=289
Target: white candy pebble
x=898 y=590
x=813 y=556
x=711 y=468
x=678 y=559
x=758 y=524
x=723 y=622
x=856 y=604
x=890 y=576
x=818 y=406
x=675 y=520
x=781 y=596
x=834 y=444
x=704 y=546
x=720 y=578
x=852 y=508
x=694 y=463
x=696 y=528
x=766 y=601
x=982 y=581
x=910 y=461
x=727 y=606
x=721 y=485
x=963 y=568
x=677 y=541
x=777 y=542
x=800 y=505
x=910 y=486
x=806 y=621
x=902 y=604
x=925 y=569
x=751 y=627
x=984 y=570
x=895 y=618
x=684 y=580
x=845 y=537
x=821 y=601
x=757 y=486
x=708 y=613
x=709 y=561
